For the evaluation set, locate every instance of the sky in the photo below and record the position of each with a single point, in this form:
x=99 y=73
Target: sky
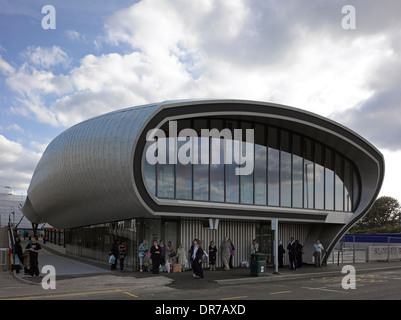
x=58 y=67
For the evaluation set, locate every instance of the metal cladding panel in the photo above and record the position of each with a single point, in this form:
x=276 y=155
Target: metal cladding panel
x=241 y=232
x=85 y=174
x=299 y=231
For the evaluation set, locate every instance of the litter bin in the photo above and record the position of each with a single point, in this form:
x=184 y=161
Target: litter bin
x=258 y=264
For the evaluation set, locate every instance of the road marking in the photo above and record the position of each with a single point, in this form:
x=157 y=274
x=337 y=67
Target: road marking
x=324 y=289
x=280 y=292
x=130 y=294
x=67 y=295
x=232 y=298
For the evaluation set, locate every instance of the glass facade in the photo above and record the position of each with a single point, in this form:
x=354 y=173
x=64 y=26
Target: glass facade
x=289 y=170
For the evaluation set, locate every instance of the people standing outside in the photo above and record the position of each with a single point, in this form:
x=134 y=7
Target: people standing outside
x=225 y=253
x=181 y=256
x=170 y=255
x=34 y=248
x=212 y=256
x=122 y=250
x=114 y=252
x=142 y=250
x=19 y=259
x=281 y=253
x=232 y=252
x=155 y=254
x=300 y=251
x=292 y=253
x=163 y=255
x=317 y=253
x=196 y=259
x=254 y=247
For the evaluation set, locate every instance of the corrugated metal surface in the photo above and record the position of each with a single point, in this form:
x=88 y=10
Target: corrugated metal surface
x=241 y=232
x=286 y=230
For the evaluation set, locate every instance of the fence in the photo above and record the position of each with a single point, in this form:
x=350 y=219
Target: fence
x=353 y=247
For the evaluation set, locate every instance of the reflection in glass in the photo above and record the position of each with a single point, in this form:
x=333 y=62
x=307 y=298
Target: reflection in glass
x=217 y=172
x=339 y=185
x=285 y=170
x=232 y=180
x=308 y=178
x=347 y=186
x=273 y=175
x=246 y=185
x=183 y=176
x=289 y=170
x=260 y=165
x=319 y=177
x=329 y=179
x=297 y=172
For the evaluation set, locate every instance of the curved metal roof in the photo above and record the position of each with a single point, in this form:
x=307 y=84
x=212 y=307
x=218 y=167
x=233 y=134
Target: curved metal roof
x=92 y=172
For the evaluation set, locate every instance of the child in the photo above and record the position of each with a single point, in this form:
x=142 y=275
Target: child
x=212 y=256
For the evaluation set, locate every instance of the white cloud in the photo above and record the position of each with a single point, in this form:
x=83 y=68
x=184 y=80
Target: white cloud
x=5 y=67
x=16 y=163
x=46 y=57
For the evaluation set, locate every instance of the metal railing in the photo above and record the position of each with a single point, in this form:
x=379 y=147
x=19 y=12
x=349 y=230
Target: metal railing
x=353 y=251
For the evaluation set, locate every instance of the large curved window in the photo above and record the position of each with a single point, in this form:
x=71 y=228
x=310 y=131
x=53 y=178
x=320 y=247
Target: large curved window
x=201 y=159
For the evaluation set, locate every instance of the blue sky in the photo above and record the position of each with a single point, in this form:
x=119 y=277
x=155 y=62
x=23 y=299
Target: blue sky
x=107 y=55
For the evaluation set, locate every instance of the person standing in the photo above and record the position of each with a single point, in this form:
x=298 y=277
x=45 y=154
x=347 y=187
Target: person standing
x=181 y=256
x=225 y=252
x=212 y=256
x=163 y=255
x=114 y=252
x=34 y=248
x=254 y=247
x=196 y=259
x=292 y=253
x=155 y=254
x=19 y=259
x=281 y=252
x=317 y=253
x=232 y=252
x=122 y=250
x=142 y=250
x=300 y=251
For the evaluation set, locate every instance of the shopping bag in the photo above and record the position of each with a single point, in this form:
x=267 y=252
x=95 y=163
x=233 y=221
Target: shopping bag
x=112 y=259
x=177 y=268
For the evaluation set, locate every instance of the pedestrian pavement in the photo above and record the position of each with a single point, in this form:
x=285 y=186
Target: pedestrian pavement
x=69 y=268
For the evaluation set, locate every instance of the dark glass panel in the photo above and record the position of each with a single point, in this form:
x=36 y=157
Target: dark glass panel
x=319 y=176
x=285 y=170
x=297 y=172
x=339 y=185
x=308 y=174
x=273 y=176
x=329 y=179
x=260 y=165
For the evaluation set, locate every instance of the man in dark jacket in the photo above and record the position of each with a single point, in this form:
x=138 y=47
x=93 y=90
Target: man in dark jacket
x=292 y=253
x=196 y=258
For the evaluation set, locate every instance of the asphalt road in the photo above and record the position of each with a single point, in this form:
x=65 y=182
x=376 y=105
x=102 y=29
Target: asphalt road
x=377 y=285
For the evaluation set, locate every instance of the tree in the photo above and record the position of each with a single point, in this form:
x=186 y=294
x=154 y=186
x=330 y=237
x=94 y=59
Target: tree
x=385 y=212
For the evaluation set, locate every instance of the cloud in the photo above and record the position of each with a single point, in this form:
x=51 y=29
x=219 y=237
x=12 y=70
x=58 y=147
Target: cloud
x=46 y=57
x=296 y=54
x=5 y=67
x=378 y=116
x=16 y=163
